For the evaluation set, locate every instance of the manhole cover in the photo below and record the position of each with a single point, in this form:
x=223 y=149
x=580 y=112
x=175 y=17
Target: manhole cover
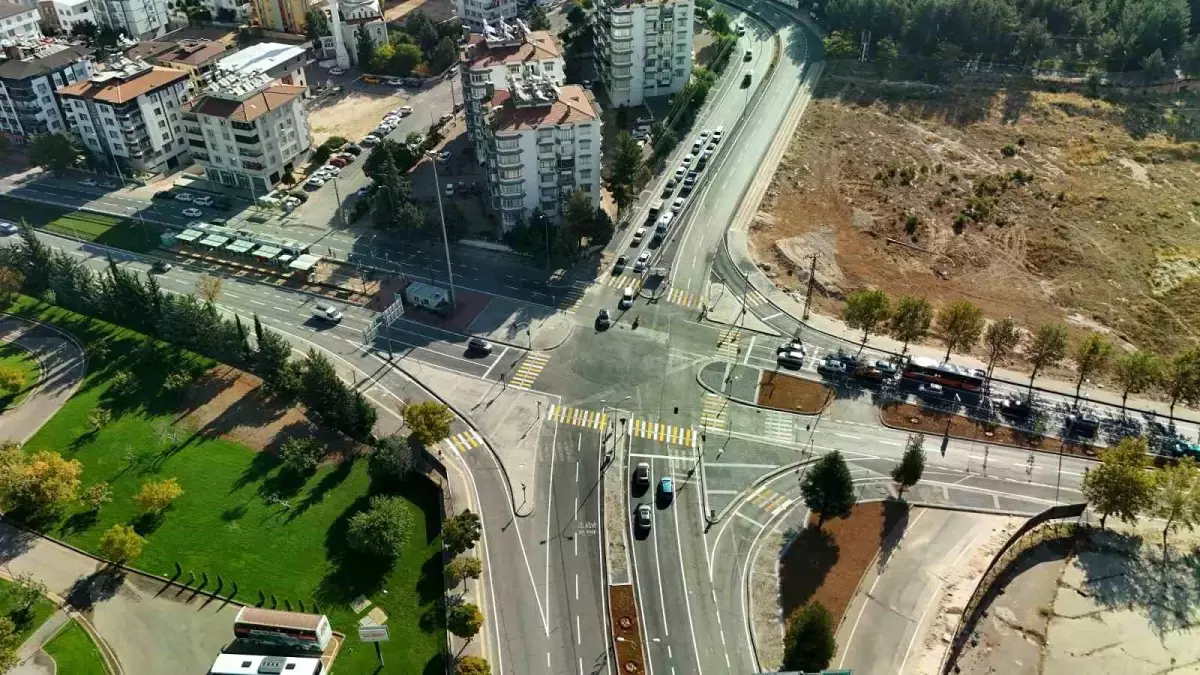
x=625 y=622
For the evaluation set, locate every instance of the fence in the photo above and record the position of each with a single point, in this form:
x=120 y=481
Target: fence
x=1032 y=532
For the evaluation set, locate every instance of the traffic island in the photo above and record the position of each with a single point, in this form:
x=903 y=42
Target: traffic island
x=626 y=629
x=909 y=417
x=792 y=394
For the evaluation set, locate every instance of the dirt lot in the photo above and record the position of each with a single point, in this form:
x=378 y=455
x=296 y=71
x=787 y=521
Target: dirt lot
x=933 y=423
x=793 y=394
x=825 y=565
x=1037 y=205
x=352 y=114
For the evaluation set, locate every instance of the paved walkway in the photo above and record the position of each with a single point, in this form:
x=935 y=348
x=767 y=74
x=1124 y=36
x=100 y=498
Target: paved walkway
x=62 y=363
x=32 y=659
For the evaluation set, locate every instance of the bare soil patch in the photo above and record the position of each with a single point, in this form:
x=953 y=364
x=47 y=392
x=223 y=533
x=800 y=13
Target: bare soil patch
x=1040 y=205
x=826 y=565
x=627 y=626
x=231 y=404
x=793 y=394
x=911 y=417
x=352 y=114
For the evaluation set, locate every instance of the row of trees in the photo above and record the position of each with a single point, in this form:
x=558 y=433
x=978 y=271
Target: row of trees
x=121 y=296
x=583 y=225
x=960 y=327
x=1118 y=34
x=460 y=533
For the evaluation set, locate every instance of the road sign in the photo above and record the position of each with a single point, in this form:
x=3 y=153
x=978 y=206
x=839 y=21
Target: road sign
x=372 y=634
x=393 y=312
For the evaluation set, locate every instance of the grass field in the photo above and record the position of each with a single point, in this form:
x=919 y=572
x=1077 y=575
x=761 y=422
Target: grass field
x=239 y=517
x=129 y=235
x=12 y=356
x=42 y=609
x=74 y=652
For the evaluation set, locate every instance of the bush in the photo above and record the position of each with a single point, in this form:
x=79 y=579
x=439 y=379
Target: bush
x=911 y=223
x=301 y=455
x=392 y=457
x=1009 y=150
x=809 y=643
x=382 y=530
x=121 y=384
x=176 y=382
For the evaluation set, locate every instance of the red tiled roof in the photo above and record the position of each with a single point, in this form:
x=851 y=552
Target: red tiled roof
x=245 y=111
x=117 y=91
x=572 y=107
x=538 y=45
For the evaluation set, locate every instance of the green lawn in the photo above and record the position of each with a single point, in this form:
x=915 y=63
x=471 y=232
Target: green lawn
x=114 y=231
x=239 y=517
x=28 y=622
x=12 y=356
x=74 y=652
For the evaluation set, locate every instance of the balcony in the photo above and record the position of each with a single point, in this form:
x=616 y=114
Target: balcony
x=249 y=153
x=252 y=166
x=547 y=179
x=246 y=140
x=195 y=131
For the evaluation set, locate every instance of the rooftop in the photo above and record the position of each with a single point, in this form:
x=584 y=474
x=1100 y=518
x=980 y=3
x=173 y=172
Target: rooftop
x=248 y=110
x=118 y=87
x=7 y=10
x=148 y=49
x=536 y=46
x=278 y=618
x=261 y=57
x=574 y=106
x=193 y=52
x=45 y=60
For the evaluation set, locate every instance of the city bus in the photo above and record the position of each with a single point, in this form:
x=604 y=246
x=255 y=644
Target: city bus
x=287 y=629
x=944 y=373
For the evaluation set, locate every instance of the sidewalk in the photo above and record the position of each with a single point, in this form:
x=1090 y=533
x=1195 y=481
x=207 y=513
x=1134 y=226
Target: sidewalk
x=30 y=657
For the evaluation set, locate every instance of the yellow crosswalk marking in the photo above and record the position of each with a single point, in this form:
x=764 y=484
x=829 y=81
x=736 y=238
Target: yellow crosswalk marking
x=529 y=370
x=620 y=282
x=680 y=297
x=715 y=412
x=663 y=433
x=728 y=348
x=770 y=501
x=573 y=297
x=589 y=419
x=754 y=298
x=464 y=441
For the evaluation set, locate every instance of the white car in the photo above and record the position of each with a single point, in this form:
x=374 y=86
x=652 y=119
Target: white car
x=443 y=156
x=449 y=189
x=370 y=139
x=394 y=82
x=680 y=172
x=330 y=169
x=315 y=181
x=677 y=205
x=391 y=118
x=638 y=236
x=643 y=259
x=741 y=30
x=931 y=389
x=717 y=134
x=203 y=200
x=337 y=71
x=193 y=213
x=7 y=227
x=404 y=110
x=184 y=197
x=88 y=182
x=327 y=313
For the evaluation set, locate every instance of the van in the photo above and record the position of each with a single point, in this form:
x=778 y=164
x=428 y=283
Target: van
x=655 y=207
x=626 y=298
x=664 y=221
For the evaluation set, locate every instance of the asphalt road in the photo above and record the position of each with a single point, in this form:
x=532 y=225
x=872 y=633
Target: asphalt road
x=62 y=365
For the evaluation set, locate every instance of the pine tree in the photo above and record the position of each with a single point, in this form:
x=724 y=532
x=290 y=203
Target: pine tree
x=828 y=489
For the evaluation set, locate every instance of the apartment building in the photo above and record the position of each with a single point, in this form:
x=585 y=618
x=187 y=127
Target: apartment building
x=247 y=131
x=477 y=15
x=538 y=139
x=195 y=57
x=139 y=19
x=283 y=63
x=18 y=21
x=30 y=73
x=284 y=16
x=643 y=49
x=129 y=113
x=354 y=18
x=62 y=15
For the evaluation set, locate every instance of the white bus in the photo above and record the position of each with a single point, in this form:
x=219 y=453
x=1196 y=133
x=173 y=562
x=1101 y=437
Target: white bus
x=246 y=664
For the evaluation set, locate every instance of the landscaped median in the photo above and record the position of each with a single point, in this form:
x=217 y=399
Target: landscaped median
x=74 y=653
x=910 y=417
x=19 y=373
x=241 y=524
x=626 y=629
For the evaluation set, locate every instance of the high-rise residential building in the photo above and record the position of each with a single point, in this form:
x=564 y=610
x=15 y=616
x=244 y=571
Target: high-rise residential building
x=129 y=114
x=17 y=21
x=643 y=49
x=247 y=131
x=539 y=140
x=139 y=19
x=477 y=14
x=62 y=15
x=30 y=74
x=285 y=16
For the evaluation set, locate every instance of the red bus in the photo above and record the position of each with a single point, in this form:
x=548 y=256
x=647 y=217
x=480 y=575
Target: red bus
x=944 y=373
x=288 y=629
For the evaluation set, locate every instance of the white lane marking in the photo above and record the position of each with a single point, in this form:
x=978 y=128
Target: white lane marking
x=735 y=465
x=748 y=519
x=937 y=589
x=750 y=348
x=495 y=362
x=550 y=500
x=578 y=632
x=256 y=302
x=576 y=586
x=662 y=599
x=687 y=602
x=773 y=316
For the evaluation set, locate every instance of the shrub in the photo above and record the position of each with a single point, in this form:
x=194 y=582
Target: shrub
x=1009 y=150
x=960 y=222
x=301 y=455
x=911 y=223
x=382 y=530
x=176 y=382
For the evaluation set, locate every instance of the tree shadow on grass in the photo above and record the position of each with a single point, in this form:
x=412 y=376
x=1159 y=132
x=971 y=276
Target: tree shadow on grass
x=147 y=524
x=431 y=584
x=436 y=665
x=339 y=474
x=256 y=470
x=80 y=522
x=804 y=566
x=895 y=524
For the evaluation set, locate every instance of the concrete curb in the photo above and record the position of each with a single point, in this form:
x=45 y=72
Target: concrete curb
x=758 y=482
x=741 y=401
x=71 y=338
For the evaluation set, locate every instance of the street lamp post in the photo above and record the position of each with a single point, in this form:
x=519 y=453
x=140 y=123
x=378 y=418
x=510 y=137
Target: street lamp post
x=442 y=216
x=603 y=413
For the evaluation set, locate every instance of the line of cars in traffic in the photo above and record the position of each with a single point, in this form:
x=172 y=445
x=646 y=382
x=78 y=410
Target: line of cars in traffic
x=665 y=494
x=195 y=202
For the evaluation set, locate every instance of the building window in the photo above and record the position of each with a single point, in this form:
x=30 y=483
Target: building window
x=585 y=174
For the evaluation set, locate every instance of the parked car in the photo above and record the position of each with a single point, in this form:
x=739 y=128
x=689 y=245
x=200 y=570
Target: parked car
x=638 y=235
x=370 y=139
x=394 y=82
x=681 y=172
x=193 y=212
x=88 y=182
x=314 y=182
x=718 y=133
x=203 y=200
x=645 y=120
x=619 y=266
x=445 y=118
x=327 y=313
x=931 y=389
x=741 y=29
x=677 y=205
x=353 y=149
x=331 y=169
x=831 y=366
x=449 y=189
x=337 y=161
x=160 y=267
x=670 y=186
x=337 y=71
x=184 y=197
x=748 y=56
x=404 y=110
x=443 y=156
x=641 y=474
x=479 y=346
x=790 y=359
x=7 y=228
x=793 y=346
x=643 y=259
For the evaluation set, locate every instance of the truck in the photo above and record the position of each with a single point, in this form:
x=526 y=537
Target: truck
x=662 y=225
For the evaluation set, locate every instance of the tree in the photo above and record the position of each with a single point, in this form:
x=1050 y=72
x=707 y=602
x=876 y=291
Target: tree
x=827 y=488
x=1047 y=348
x=576 y=15
x=12 y=379
x=1092 y=356
x=1181 y=378
x=392 y=457
x=538 y=19
x=121 y=544
x=11 y=281
x=208 y=288
x=56 y=152
x=405 y=58
x=1136 y=371
x=462 y=568
x=1177 y=496
x=839 y=45
x=1035 y=39
x=1154 y=65
x=381 y=60
x=10 y=642
x=959 y=324
x=866 y=310
x=1120 y=485
x=39 y=483
x=272 y=360
x=429 y=421
x=156 y=496
x=718 y=21
x=472 y=665
x=460 y=532
x=444 y=56
x=809 y=644
x=85 y=30
x=912 y=464
x=301 y=455
x=22 y=593
x=911 y=320
x=1001 y=338
x=98 y=495
x=382 y=530
x=364 y=49
x=464 y=620
x=627 y=160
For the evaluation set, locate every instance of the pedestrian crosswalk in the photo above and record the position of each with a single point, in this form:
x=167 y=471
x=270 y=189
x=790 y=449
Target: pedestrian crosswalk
x=770 y=501
x=573 y=297
x=754 y=298
x=529 y=370
x=714 y=414
x=620 y=282
x=728 y=347
x=577 y=416
x=464 y=441
x=778 y=426
x=679 y=296
x=663 y=433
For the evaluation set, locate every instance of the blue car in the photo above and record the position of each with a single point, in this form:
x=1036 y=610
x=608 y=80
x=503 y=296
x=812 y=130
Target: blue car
x=666 y=488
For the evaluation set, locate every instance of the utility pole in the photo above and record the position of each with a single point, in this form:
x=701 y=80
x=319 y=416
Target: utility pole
x=442 y=216
x=812 y=278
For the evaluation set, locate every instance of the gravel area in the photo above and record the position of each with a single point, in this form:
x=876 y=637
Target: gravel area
x=767 y=621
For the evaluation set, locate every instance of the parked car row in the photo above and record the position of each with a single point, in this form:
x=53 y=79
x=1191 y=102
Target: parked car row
x=334 y=166
x=106 y=184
